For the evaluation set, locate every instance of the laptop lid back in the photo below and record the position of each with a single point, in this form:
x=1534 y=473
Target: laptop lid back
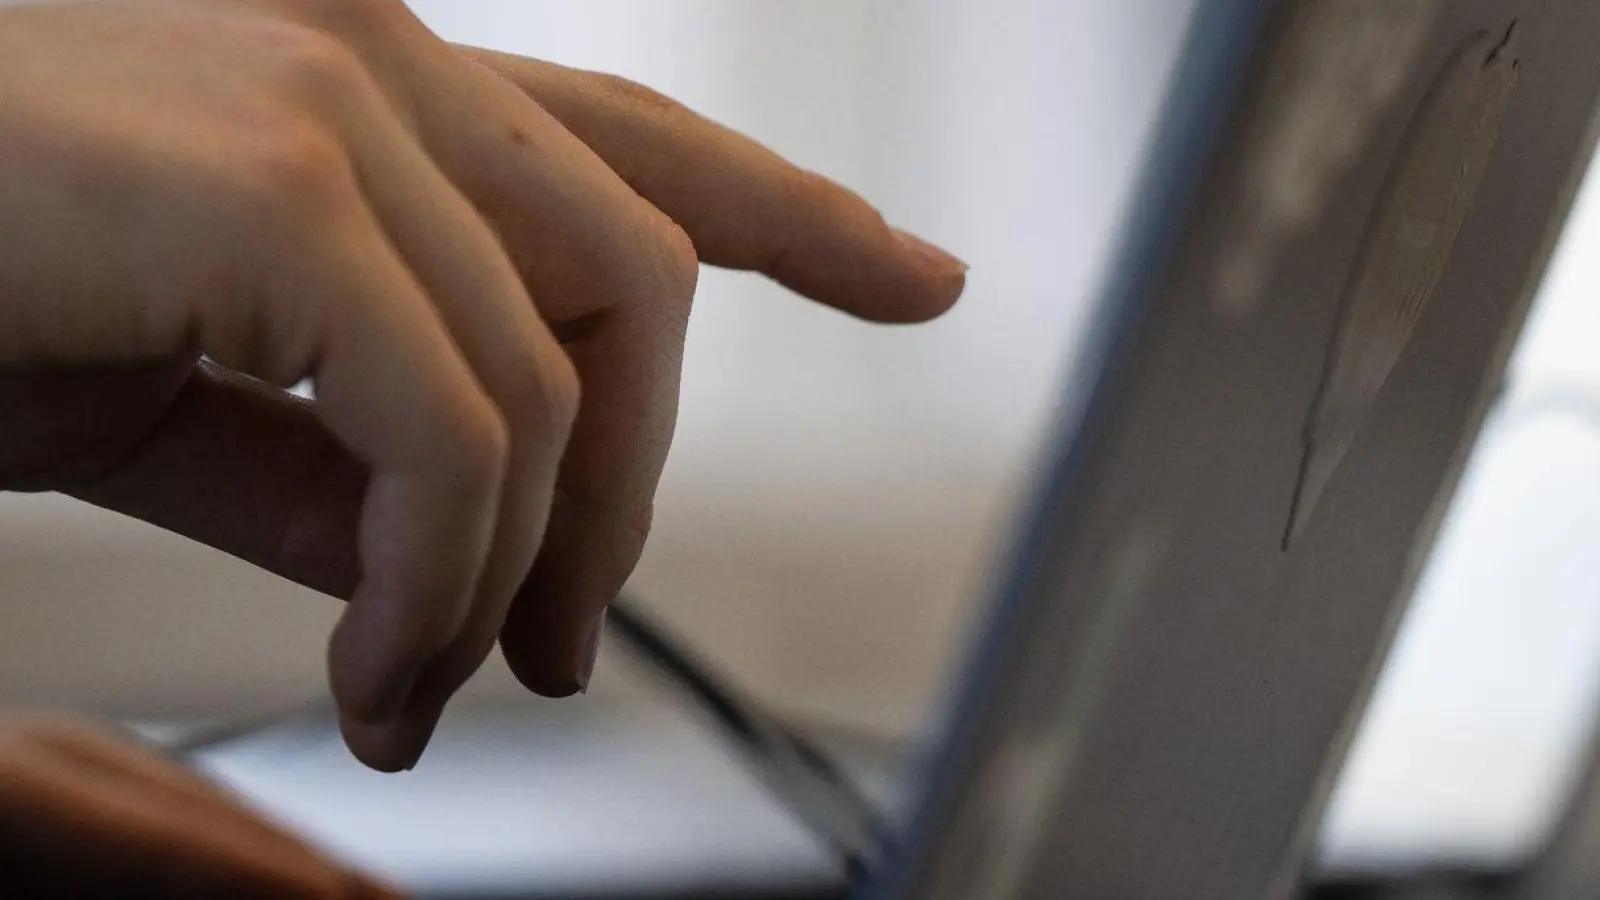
x=1342 y=224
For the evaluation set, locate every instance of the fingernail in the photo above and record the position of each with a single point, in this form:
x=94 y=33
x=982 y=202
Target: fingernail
x=391 y=702
x=414 y=744
x=935 y=256
x=592 y=656
x=391 y=747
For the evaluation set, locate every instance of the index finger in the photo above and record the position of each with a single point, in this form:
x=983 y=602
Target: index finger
x=744 y=206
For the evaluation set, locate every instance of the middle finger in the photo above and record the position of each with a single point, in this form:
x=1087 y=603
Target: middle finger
x=613 y=275
x=482 y=301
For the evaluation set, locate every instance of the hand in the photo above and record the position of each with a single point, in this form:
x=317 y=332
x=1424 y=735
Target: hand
x=84 y=814
x=448 y=243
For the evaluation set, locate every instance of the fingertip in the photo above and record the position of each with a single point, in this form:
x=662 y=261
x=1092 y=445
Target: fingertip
x=835 y=247
x=947 y=276
x=548 y=633
x=558 y=666
x=391 y=747
x=549 y=675
x=874 y=272
x=550 y=651
x=941 y=261
x=591 y=659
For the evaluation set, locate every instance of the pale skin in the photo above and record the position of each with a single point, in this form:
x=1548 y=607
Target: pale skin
x=484 y=264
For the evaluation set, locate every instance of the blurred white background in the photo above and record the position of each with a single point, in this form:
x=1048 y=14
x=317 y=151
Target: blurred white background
x=837 y=492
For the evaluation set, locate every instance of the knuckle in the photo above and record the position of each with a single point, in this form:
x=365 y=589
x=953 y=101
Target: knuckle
x=299 y=165
x=636 y=96
x=354 y=16
x=564 y=392
x=560 y=391
x=676 y=260
x=483 y=441
x=313 y=63
x=545 y=396
x=812 y=199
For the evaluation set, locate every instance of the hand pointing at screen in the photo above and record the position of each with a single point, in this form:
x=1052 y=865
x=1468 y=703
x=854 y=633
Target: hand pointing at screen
x=483 y=263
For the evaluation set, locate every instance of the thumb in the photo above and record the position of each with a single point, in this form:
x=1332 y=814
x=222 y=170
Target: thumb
x=248 y=469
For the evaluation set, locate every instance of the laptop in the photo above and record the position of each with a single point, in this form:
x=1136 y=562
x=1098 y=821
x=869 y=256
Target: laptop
x=1343 y=220
x=1342 y=223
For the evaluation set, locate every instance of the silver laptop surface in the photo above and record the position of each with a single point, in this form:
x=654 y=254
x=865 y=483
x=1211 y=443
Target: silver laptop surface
x=1344 y=218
